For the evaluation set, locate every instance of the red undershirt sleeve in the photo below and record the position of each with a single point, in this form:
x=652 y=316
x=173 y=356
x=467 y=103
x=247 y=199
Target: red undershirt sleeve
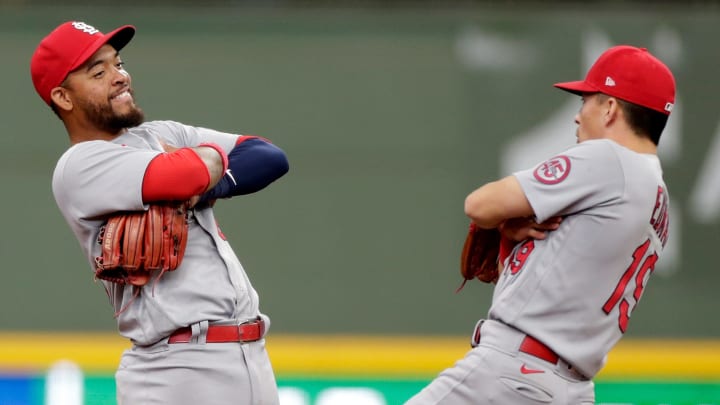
x=177 y=175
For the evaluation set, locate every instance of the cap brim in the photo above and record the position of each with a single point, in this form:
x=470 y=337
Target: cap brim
x=578 y=87
x=121 y=36
x=118 y=38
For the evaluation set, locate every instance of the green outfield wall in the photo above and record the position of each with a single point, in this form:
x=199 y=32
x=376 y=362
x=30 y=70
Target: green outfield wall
x=389 y=117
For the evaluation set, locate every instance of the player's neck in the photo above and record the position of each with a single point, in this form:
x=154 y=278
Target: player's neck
x=634 y=142
x=83 y=133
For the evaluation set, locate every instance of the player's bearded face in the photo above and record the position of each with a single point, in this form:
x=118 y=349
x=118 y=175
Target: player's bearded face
x=105 y=116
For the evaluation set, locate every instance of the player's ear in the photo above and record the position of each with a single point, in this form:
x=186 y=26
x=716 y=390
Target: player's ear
x=61 y=98
x=611 y=110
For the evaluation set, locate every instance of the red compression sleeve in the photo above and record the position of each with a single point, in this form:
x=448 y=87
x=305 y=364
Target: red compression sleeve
x=178 y=175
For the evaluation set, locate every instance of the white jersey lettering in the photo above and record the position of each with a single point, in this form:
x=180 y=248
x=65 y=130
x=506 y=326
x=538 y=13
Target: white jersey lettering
x=659 y=219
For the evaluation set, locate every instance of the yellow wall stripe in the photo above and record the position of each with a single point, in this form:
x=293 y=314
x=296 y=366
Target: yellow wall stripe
x=365 y=356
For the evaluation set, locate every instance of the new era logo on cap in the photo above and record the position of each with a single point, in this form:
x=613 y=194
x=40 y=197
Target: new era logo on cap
x=631 y=74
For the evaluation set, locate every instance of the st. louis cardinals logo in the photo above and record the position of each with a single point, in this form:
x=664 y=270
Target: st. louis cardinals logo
x=554 y=170
x=85 y=27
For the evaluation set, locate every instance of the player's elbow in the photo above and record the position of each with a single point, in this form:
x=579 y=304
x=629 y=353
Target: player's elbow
x=273 y=166
x=479 y=209
x=473 y=210
x=276 y=162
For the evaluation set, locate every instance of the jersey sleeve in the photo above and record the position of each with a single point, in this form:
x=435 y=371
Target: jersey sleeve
x=95 y=178
x=180 y=135
x=584 y=176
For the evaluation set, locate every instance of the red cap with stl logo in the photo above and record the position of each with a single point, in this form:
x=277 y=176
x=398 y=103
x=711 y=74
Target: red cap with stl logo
x=631 y=74
x=66 y=48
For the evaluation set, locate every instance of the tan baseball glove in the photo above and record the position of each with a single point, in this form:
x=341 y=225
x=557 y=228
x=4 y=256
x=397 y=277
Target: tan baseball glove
x=136 y=243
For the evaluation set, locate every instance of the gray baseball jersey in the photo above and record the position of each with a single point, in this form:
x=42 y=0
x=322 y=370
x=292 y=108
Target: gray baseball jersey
x=95 y=178
x=575 y=290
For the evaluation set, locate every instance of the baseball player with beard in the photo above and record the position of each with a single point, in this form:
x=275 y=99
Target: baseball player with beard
x=197 y=333
x=590 y=225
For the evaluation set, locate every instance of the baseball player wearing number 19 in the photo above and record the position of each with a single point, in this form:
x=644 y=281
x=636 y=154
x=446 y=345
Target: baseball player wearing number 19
x=568 y=288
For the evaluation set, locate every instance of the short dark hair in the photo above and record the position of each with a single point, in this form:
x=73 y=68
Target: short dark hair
x=643 y=120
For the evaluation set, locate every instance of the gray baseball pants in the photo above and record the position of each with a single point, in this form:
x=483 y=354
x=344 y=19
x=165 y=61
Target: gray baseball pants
x=496 y=372
x=197 y=373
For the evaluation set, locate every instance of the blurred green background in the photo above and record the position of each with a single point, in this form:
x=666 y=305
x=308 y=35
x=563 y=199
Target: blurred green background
x=390 y=113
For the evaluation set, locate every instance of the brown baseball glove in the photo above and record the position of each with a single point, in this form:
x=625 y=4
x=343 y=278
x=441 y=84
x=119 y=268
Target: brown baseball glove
x=479 y=258
x=135 y=243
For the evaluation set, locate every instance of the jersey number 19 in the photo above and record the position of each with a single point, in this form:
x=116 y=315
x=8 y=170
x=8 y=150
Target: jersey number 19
x=637 y=269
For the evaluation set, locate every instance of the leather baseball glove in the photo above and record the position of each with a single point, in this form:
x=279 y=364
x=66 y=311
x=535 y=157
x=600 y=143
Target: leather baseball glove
x=479 y=258
x=135 y=243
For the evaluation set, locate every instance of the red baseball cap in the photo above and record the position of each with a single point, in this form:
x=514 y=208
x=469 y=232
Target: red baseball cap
x=66 y=48
x=631 y=74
